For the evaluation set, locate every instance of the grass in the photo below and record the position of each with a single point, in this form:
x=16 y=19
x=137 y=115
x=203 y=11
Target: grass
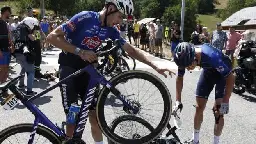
x=209 y=21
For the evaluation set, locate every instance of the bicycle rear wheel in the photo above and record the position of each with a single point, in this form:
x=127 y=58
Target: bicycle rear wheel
x=158 y=116
x=7 y=135
x=132 y=119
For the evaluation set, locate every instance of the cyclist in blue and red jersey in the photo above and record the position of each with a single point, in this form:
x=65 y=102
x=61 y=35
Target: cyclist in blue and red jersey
x=217 y=71
x=79 y=38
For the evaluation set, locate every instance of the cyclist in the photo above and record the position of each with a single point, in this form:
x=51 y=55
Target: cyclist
x=217 y=70
x=78 y=38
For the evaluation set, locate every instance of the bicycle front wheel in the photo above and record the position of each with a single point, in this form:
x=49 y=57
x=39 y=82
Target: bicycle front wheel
x=157 y=113
x=20 y=134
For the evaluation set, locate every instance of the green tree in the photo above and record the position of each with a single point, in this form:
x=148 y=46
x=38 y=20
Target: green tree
x=232 y=7
x=206 y=6
x=173 y=13
x=22 y=5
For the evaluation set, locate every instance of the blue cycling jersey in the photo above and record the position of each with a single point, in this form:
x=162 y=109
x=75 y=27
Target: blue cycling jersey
x=212 y=58
x=84 y=30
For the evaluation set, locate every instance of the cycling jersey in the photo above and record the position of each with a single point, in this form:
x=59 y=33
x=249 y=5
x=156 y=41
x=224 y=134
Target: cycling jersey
x=84 y=30
x=213 y=58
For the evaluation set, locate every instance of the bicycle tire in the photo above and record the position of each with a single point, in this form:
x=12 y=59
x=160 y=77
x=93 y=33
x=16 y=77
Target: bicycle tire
x=129 y=118
x=21 y=128
x=124 y=77
x=134 y=63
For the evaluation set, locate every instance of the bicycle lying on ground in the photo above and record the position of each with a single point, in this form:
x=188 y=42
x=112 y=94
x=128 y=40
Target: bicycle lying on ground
x=169 y=138
x=53 y=134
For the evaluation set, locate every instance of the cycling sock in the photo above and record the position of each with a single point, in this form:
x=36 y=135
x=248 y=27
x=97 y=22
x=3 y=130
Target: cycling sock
x=216 y=139
x=99 y=142
x=196 y=135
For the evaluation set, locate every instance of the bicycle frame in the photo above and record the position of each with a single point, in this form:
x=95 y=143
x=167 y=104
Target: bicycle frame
x=95 y=79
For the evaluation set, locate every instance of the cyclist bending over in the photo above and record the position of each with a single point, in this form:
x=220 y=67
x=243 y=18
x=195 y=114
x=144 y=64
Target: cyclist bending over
x=217 y=70
x=79 y=38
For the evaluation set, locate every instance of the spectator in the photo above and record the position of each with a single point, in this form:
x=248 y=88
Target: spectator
x=143 y=36
x=159 y=39
x=123 y=30
x=152 y=36
x=136 y=28
x=5 y=51
x=30 y=11
x=15 y=24
x=45 y=28
x=233 y=38
x=219 y=38
x=195 y=36
x=130 y=32
x=171 y=30
x=205 y=36
x=175 y=40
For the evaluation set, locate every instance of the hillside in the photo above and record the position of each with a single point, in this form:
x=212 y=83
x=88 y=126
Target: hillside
x=211 y=20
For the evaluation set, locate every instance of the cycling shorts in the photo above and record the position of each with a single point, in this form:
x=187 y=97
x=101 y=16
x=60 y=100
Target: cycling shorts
x=74 y=88
x=208 y=79
x=5 y=59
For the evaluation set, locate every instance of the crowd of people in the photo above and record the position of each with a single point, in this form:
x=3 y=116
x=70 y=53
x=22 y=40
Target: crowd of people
x=16 y=31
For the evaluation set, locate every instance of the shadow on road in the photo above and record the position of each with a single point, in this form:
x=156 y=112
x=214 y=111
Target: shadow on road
x=250 y=98
x=42 y=84
x=39 y=101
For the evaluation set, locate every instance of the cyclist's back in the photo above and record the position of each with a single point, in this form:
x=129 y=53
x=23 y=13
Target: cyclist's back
x=213 y=59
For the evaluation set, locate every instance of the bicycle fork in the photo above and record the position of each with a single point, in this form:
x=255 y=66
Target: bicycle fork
x=32 y=135
x=130 y=106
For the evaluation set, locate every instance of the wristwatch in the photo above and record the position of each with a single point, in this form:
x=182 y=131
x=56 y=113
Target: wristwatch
x=77 y=51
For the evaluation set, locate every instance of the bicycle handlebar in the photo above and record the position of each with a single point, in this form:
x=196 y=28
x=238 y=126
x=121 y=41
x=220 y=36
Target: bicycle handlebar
x=109 y=50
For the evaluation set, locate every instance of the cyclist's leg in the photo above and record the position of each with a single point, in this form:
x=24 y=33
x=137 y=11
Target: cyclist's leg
x=95 y=129
x=219 y=119
x=81 y=88
x=203 y=90
x=68 y=93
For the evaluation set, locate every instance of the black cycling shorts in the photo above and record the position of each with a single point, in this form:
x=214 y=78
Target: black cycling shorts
x=74 y=88
x=208 y=79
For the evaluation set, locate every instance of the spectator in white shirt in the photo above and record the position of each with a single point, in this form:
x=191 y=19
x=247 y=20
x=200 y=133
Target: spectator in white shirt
x=15 y=24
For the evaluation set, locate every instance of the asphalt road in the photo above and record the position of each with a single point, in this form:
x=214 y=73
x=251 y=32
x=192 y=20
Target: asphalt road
x=240 y=123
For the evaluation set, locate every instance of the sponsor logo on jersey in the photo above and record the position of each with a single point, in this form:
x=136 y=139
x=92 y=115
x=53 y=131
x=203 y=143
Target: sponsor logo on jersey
x=85 y=16
x=91 y=42
x=220 y=69
x=71 y=25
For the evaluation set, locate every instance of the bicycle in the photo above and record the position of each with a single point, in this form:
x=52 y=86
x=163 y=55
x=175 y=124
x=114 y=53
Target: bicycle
x=159 y=140
x=56 y=135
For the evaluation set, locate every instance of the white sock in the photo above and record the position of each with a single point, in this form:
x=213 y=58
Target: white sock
x=99 y=142
x=196 y=135
x=216 y=139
